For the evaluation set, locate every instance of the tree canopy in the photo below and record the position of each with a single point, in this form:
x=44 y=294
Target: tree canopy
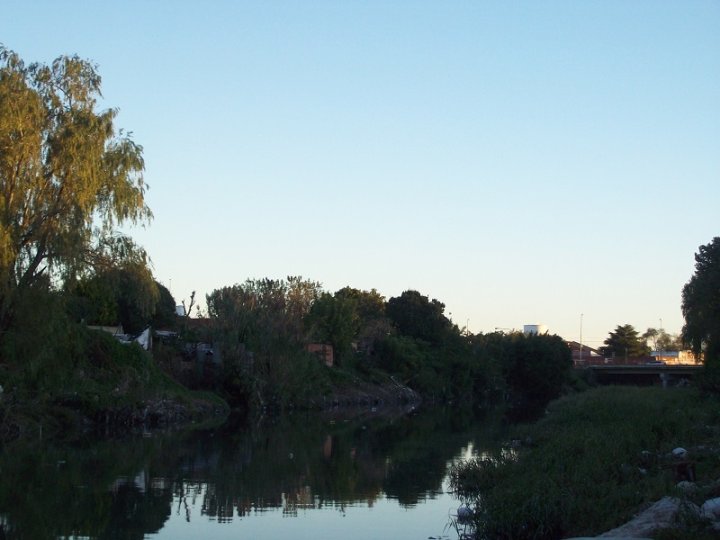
x=264 y=312
x=414 y=315
x=126 y=294
x=625 y=342
x=701 y=303
x=334 y=320
x=67 y=176
x=662 y=341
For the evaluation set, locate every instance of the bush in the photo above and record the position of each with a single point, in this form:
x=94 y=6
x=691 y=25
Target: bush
x=585 y=469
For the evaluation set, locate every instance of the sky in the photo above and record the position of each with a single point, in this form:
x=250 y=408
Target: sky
x=545 y=162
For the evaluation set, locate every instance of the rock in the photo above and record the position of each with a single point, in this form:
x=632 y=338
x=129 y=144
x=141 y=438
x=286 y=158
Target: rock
x=464 y=514
x=679 y=453
x=660 y=515
x=687 y=487
x=711 y=509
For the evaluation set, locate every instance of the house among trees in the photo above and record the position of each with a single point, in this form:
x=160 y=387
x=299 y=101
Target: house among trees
x=582 y=354
x=323 y=351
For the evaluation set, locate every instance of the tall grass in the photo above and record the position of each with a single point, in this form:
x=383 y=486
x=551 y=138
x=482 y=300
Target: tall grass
x=590 y=463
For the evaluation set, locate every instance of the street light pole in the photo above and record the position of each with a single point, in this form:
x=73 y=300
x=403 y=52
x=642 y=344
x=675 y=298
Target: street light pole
x=581 y=345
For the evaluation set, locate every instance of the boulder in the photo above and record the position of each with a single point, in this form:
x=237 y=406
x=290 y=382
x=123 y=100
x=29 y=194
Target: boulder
x=687 y=487
x=679 y=453
x=711 y=509
x=660 y=515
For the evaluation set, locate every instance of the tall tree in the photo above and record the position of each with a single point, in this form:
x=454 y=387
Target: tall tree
x=264 y=314
x=334 y=320
x=625 y=342
x=669 y=342
x=662 y=341
x=165 y=314
x=67 y=176
x=701 y=303
x=535 y=368
x=370 y=305
x=652 y=334
x=373 y=323
x=416 y=316
x=126 y=294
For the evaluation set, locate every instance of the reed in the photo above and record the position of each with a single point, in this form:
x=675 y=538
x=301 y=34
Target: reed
x=590 y=463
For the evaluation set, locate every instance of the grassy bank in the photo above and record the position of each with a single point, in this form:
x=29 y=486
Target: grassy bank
x=592 y=462
x=90 y=380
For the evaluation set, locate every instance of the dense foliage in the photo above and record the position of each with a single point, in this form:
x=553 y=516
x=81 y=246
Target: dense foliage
x=534 y=367
x=590 y=463
x=625 y=342
x=126 y=294
x=67 y=177
x=415 y=316
x=701 y=308
x=662 y=341
x=262 y=329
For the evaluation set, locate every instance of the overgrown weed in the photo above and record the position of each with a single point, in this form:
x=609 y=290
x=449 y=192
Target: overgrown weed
x=584 y=467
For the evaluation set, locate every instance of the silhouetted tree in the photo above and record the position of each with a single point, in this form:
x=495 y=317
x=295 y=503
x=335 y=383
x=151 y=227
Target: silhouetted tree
x=416 y=316
x=625 y=342
x=701 y=303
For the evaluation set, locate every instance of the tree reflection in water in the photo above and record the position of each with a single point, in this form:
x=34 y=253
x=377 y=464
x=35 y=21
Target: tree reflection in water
x=300 y=463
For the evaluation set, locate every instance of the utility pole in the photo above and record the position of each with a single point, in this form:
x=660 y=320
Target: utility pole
x=581 y=345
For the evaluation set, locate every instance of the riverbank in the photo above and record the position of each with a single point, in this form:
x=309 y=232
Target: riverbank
x=104 y=387
x=595 y=460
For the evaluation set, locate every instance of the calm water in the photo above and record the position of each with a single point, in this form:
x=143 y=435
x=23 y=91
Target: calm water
x=299 y=477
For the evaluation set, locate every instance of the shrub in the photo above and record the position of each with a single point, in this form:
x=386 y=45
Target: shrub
x=586 y=469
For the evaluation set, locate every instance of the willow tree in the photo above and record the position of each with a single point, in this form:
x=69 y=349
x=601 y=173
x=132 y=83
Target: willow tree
x=68 y=178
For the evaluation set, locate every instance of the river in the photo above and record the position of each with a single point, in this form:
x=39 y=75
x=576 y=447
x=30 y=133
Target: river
x=376 y=475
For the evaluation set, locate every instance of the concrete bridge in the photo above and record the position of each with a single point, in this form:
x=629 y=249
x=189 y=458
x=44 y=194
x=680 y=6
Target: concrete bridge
x=644 y=374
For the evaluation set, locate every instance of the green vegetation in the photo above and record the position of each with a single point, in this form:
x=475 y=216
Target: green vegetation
x=701 y=308
x=68 y=179
x=597 y=457
x=262 y=328
x=662 y=341
x=625 y=342
x=63 y=375
x=591 y=462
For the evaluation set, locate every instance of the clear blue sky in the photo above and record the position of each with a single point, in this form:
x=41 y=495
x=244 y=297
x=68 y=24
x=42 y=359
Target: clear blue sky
x=523 y=162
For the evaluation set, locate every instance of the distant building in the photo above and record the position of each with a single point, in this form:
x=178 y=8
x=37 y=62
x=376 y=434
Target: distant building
x=323 y=351
x=675 y=357
x=587 y=356
x=537 y=329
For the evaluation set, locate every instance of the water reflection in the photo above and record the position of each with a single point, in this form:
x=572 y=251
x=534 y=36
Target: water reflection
x=297 y=466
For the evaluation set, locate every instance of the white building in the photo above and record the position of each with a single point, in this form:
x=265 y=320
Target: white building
x=537 y=329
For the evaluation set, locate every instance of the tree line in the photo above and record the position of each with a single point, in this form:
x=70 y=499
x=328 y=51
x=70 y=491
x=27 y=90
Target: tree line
x=69 y=179
x=261 y=329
